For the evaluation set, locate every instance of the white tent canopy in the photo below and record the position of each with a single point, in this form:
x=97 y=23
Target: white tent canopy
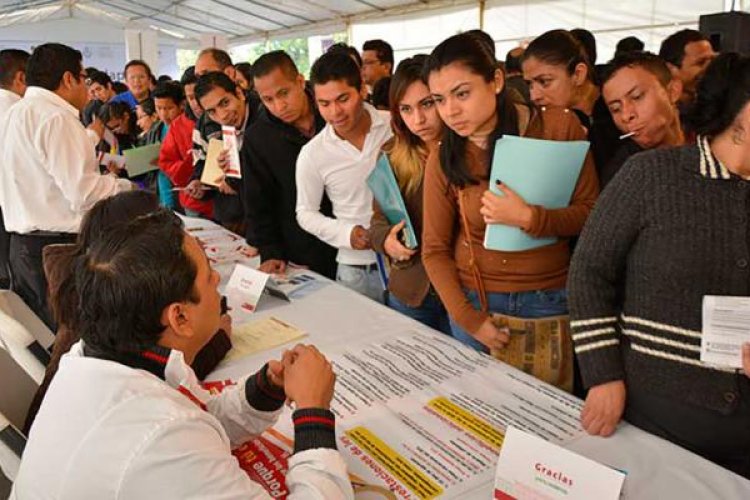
x=238 y=21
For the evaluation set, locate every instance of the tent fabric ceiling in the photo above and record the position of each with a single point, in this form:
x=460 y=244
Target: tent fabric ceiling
x=238 y=20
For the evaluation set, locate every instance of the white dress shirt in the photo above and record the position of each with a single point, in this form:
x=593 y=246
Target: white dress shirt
x=108 y=431
x=7 y=99
x=333 y=165
x=50 y=175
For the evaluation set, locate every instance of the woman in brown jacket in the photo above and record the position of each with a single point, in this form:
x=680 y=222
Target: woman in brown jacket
x=470 y=97
x=416 y=127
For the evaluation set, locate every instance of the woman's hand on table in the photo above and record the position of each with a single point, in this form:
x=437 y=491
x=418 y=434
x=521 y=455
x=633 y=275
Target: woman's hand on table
x=603 y=408
x=508 y=208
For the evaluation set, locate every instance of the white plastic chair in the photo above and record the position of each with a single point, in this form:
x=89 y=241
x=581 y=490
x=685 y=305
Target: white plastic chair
x=12 y=305
x=12 y=443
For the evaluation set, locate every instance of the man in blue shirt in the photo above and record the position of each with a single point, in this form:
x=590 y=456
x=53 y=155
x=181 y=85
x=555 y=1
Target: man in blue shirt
x=138 y=79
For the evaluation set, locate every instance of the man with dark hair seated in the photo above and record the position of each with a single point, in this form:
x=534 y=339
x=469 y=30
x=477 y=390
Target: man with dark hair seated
x=125 y=416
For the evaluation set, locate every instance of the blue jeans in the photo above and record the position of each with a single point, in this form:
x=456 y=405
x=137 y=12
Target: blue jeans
x=365 y=281
x=431 y=313
x=536 y=304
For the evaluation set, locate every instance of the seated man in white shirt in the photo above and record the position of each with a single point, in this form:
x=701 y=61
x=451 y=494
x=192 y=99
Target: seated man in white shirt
x=50 y=174
x=125 y=417
x=337 y=162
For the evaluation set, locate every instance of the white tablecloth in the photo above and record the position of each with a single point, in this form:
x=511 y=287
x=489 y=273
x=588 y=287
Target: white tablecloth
x=336 y=319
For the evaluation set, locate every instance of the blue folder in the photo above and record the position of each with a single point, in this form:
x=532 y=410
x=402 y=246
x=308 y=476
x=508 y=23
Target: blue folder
x=542 y=173
x=385 y=189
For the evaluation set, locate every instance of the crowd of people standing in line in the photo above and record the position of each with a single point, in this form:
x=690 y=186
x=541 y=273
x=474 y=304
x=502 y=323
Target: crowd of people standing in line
x=657 y=220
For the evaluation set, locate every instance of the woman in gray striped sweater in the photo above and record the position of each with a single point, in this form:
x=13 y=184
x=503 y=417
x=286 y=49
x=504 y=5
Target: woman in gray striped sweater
x=672 y=227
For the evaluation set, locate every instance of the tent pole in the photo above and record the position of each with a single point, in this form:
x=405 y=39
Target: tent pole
x=481 y=13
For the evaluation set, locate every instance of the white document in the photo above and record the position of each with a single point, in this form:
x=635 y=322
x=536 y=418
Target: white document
x=726 y=326
x=245 y=288
x=229 y=137
x=532 y=468
x=106 y=158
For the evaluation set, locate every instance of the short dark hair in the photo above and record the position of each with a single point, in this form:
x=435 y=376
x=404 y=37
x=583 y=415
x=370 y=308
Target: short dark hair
x=138 y=62
x=106 y=215
x=672 y=49
x=126 y=279
x=188 y=77
x=148 y=106
x=206 y=83
x=221 y=57
x=246 y=69
x=169 y=90
x=588 y=41
x=11 y=62
x=646 y=60
x=164 y=78
x=119 y=87
x=334 y=66
x=343 y=48
x=99 y=77
x=113 y=109
x=721 y=95
x=382 y=49
x=629 y=44
x=513 y=63
x=381 y=92
x=49 y=62
x=272 y=60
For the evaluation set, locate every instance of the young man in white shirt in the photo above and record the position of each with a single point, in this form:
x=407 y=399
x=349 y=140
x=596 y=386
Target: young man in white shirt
x=12 y=89
x=125 y=417
x=337 y=162
x=50 y=174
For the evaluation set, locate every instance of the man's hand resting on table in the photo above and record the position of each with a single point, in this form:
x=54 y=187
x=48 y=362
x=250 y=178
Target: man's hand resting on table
x=308 y=378
x=603 y=408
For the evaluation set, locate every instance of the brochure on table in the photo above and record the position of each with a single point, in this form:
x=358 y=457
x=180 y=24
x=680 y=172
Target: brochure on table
x=530 y=467
x=247 y=285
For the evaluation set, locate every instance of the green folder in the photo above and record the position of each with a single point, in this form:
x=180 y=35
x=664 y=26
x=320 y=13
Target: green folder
x=138 y=160
x=542 y=173
x=385 y=189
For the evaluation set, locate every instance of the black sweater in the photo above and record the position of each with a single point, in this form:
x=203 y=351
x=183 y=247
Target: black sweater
x=670 y=228
x=269 y=162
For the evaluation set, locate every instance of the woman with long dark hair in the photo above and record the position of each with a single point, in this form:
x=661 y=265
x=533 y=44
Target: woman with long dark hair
x=472 y=281
x=560 y=75
x=417 y=128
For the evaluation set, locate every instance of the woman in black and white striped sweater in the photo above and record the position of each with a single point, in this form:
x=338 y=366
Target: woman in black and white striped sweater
x=672 y=227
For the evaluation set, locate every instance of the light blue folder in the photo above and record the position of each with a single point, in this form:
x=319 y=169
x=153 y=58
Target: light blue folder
x=385 y=189
x=542 y=173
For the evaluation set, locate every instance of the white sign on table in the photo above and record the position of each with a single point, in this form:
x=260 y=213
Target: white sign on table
x=530 y=467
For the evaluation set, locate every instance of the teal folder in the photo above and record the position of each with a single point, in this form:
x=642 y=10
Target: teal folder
x=385 y=189
x=542 y=173
x=138 y=160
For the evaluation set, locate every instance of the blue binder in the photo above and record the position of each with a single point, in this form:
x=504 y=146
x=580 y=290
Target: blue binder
x=542 y=173
x=382 y=183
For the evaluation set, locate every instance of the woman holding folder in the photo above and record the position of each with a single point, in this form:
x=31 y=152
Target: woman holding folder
x=417 y=128
x=474 y=282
